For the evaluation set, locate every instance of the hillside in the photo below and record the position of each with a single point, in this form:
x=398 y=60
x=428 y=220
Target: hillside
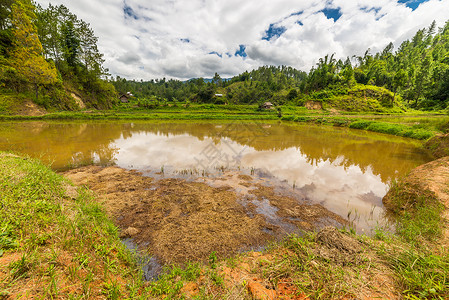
x=416 y=76
x=49 y=57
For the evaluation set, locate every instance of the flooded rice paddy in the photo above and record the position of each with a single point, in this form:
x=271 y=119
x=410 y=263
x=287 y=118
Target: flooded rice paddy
x=179 y=191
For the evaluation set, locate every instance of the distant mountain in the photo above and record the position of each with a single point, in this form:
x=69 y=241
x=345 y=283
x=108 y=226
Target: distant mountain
x=208 y=80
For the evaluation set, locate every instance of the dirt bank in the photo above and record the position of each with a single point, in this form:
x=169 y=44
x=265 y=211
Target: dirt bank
x=425 y=185
x=181 y=221
x=438 y=145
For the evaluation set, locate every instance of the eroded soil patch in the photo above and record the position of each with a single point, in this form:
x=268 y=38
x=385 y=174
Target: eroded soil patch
x=182 y=221
x=424 y=183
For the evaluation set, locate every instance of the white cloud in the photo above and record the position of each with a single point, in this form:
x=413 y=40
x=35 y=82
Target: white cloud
x=174 y=39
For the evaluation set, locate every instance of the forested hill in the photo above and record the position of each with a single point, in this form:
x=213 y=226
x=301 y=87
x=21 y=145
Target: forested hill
x=415 y=75
x=49 y=55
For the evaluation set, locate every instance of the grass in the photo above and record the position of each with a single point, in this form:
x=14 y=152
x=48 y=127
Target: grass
x=51 y=238
x=56 y=241
x=11 y=103
x=393 y=129
x=418 y=213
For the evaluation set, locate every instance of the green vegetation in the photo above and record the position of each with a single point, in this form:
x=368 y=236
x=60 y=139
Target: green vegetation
x=415 y=76
x=419 y=212
x=421 y=266
x=393 y=129
x=49 y=55
x=57 y=238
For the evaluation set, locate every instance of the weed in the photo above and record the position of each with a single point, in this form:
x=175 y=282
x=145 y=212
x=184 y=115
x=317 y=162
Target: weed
x=422 y=274
x=112 y=290
x=213 y=260
x=21 y=267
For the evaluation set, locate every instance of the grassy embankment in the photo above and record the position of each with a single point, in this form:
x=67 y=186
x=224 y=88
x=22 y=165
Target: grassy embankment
x=407 y=125
x=56 y=241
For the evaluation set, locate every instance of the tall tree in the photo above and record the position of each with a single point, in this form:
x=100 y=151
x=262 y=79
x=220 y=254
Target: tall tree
x=71 y=43
x=27 y=57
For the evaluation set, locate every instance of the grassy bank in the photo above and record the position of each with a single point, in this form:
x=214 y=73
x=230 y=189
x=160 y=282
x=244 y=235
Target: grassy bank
x=57 y=242
x=414 y=132
x=413 y=126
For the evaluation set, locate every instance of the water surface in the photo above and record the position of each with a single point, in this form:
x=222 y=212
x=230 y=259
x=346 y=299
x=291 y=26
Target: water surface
x=347 y=171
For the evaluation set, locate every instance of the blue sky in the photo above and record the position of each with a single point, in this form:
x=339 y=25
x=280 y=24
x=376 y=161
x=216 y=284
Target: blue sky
x=146 y=39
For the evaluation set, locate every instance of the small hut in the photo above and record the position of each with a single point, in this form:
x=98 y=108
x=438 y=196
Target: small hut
x=267 y=105
x=125 y=97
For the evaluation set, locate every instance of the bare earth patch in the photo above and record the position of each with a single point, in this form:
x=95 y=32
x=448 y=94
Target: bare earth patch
x=78 y=101
x=29 y=108
x=180 y=221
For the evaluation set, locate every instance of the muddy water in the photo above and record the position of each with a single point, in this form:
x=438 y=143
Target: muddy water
x=346 y=171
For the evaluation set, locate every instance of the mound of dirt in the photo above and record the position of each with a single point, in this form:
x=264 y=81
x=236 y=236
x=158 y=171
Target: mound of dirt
x=180 y=221
x=438 y=145
x=313 y=105
x=78 y=101
x=430 y=180
x=338 y=247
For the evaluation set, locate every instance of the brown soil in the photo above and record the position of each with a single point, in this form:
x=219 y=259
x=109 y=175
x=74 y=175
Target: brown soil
x=438 y=145
x=301 y=215
x=428 y=180
x=257 y=271
x=184 y=221
x=313 y=105
x=78 y=101
x=29 y=108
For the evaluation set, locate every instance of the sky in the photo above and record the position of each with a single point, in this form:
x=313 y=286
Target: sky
x=149 y=39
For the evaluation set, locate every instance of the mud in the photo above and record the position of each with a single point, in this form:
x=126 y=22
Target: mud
x=178 y=221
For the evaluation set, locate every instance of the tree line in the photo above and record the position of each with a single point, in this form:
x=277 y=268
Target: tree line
x=48 y=50
x=417 y=72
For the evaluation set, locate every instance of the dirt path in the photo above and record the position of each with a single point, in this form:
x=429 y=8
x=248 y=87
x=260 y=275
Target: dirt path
x=180 y=221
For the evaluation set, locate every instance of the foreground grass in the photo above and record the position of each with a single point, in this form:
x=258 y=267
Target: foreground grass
x=57 y=242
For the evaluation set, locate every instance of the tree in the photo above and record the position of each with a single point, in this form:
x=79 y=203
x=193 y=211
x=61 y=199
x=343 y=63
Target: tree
x=217 y=79
x=48 y=27
x=27 y=57
x=399 y=80
x=5 y=10
x=71 y=43
x=91 y=58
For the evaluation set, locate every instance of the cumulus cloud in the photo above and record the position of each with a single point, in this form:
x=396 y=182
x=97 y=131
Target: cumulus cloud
x=178 y=39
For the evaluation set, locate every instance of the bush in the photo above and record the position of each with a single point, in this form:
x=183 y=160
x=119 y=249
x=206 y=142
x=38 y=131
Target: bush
x=393 y=129
x=360 y=124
